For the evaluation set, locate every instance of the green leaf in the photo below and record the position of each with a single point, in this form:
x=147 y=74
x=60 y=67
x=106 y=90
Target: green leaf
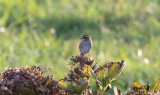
x=114 y=70
x=156 y=85
x=78 y=89
x=24 y=91
x=102 y=73
x=66 y=85
x=106 y=83
x=107 y=74
x=99 y=84
x=73 y=87
x=114 y=79
x=87 y=70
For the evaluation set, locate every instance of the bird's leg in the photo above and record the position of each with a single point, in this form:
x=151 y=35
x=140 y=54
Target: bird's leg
x=81 y=54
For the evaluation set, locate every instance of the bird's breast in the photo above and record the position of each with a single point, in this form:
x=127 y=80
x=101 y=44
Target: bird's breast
x=85 y=47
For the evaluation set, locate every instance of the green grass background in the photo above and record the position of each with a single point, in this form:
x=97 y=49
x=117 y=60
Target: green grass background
x=47 y=32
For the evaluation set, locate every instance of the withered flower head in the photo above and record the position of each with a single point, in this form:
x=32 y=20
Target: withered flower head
x=73 y=76
x=82 y=60
x=28 y=78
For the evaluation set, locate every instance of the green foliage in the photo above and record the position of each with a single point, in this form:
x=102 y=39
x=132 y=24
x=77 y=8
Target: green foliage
x=72 y=86
x=80 y=74
x=106 y=74
x=24 y=91
x=78 y=80
x=139 y=89
x=156 y=86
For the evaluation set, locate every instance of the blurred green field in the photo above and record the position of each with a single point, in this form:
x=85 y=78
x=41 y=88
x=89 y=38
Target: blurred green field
x=47 y=32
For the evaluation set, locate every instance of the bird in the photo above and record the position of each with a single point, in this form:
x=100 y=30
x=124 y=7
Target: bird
x=85 y=45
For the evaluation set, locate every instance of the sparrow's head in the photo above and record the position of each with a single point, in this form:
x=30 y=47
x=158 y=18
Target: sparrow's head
x=86 y=37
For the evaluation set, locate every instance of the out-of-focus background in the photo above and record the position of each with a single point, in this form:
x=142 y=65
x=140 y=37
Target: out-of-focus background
x=48 y=32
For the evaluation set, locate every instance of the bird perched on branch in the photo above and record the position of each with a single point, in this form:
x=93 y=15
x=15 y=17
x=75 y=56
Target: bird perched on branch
x=85 y=45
